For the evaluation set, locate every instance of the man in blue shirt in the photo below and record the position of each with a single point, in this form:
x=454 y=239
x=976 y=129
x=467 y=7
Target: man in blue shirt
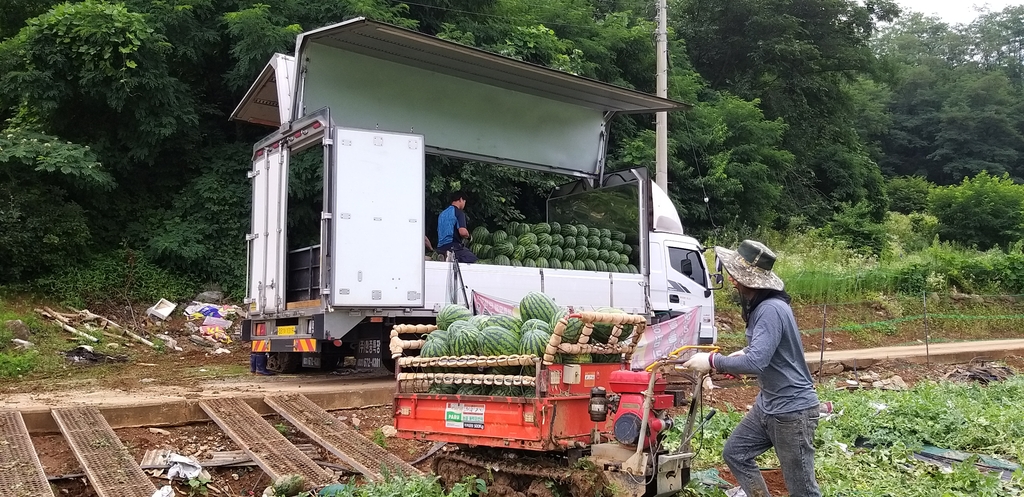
x=451 y=229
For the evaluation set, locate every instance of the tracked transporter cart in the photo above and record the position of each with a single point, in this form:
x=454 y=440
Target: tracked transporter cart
x=541 y=424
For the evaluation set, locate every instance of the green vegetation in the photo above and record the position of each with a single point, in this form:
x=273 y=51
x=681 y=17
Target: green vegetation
x=121 y=179
x=397 y=485
x=967 y=417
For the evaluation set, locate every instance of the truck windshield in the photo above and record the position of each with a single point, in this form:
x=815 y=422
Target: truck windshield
x=688 y=262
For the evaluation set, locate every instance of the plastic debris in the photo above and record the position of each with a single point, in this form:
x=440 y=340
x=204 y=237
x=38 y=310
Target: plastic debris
x=182 y=466
x=165 y=491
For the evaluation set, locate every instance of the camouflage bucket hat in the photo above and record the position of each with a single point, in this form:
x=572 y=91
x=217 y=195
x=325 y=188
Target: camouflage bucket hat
x=751 y=265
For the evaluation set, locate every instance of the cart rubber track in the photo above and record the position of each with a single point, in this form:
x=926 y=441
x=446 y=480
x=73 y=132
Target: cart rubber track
x=20 y=470
x=111 y=469
x=516 y=473
x=271 y=451
x=347 y=444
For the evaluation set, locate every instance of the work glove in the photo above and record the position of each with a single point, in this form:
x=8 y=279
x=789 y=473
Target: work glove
x=738 y=353
x=701 y=361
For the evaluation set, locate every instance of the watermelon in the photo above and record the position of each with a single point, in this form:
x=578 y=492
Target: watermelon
x=557 y=240
x=480 y=235
x=578 y=359
x=605 y=233
x=534 y=342
x=495 y=341
x=479 y=321
x=541 y=262
x=557 y=252
x=606 y=243
x=607 y=358
x=573 y=327
x=536 y=324
x=623 y=259
x=602 y=255
x=579 y=266
x=519 y=253
x=527 y=239
x=504 y=248
x=488 y=251
x=569 y=230
x=544 y=239
x=502 y=260
x=616 y=246
x=505 y=321
x=505 y=391
x=517 y=263
x=499 y=237
x=556 y=228
x=603 y=331
x=623 y=268
x=633 y=269
x=512 y=228
x=434 y=348
x=532 y=252
x=443 y=388
x=569 y=255
x=582 y=242
x=474 y=390
x=536 y=305
x=554 y=263
x=476 y=248
x=462 y=340
x=523 y=229
x=594 y=241
x=529 y=263
x=437 y=335
x=591 y=265
x=570 y=242
x=618 y=236
x=545 y=251
x=582 y=230
x=612 y=268
x=541 y=228
x=568 y=265
x=601 y=265
x=450 y=314
x=628 y=249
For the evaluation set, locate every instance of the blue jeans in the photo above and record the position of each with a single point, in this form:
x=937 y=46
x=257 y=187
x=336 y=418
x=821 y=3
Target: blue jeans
x=792 y=435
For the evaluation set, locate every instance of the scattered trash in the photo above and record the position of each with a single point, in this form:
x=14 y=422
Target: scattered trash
x=169 y=342
x=165 y=491
x=147 y=380
x=334 y=490
x=22 y=344
x=389 y=431
x=878 y=406
x=845 y=448
x=710 y=478
x=84 y=354
x=735 y=492
x=982 y=374
x=159 y=431
x=162 y=309
x=182 y=466
x=945 y=458
x=221 y=350
x=200 y=310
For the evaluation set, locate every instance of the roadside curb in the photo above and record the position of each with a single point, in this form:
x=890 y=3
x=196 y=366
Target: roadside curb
x=941 y=353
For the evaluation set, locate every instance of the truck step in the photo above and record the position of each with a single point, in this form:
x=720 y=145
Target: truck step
x=347 y=444
x=20 y=472
x=271 y=451
x=111 y=469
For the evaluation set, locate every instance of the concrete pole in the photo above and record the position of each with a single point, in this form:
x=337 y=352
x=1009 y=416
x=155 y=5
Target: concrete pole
x=661 y=146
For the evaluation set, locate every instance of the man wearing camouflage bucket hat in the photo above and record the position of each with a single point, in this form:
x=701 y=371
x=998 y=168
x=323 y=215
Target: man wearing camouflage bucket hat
x=785 y=412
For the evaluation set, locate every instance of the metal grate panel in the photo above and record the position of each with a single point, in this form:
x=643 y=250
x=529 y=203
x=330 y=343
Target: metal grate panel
x=21 y=473
x=349 y=445
x=111 y=469
x=271 y=451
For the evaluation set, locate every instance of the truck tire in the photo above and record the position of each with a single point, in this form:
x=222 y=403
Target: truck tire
x=284 y=362
x=331 y=357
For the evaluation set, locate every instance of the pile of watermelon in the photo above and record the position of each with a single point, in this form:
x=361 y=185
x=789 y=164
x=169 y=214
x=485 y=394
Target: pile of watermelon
x=526 y=331
x=555 y=246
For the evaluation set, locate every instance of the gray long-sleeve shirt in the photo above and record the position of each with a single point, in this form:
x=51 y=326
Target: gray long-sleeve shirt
x=775 y=354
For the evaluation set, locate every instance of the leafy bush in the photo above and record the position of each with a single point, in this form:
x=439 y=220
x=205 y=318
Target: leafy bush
x=908 y=194
x=985 y=211
x=910 y=232
x=854 y=225
x=15 y=364
x=121 y=276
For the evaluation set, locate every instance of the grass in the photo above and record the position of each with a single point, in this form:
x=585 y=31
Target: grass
x=968 y=417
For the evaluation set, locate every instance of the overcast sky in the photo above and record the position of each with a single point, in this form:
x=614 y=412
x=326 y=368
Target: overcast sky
x=955 y=11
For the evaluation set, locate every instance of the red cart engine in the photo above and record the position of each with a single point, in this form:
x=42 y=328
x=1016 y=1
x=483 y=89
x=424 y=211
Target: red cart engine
x=627 y=403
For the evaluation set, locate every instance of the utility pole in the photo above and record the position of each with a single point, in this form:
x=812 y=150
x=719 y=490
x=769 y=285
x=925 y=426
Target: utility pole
x=661 y=146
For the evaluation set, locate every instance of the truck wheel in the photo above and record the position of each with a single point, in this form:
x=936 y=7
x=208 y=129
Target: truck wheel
x=284 y=362
x=331 y=357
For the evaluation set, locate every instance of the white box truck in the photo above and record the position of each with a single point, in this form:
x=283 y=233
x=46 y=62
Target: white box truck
x=376 y=99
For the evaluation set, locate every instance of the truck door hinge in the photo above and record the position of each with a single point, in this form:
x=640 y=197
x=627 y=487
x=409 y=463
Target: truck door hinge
x=251 y=236
x=252 y=174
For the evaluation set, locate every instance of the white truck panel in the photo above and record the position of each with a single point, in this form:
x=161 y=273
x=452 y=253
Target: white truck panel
x=267 y=257
x=586 y=290
x=378 y=232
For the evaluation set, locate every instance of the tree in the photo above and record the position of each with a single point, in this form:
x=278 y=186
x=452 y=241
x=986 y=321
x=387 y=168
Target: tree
x=985 y=211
